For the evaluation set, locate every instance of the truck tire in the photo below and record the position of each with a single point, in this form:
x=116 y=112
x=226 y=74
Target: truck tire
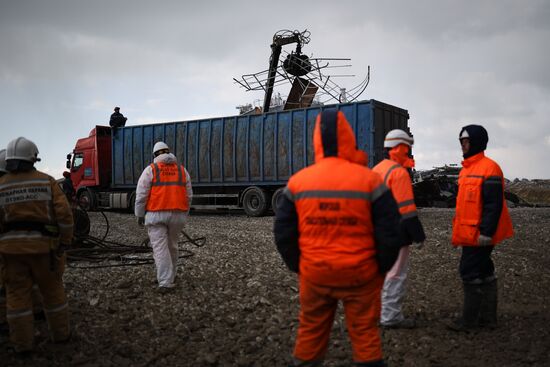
x=86 y=200
x=276 y=196
x=255 y=202
x=132 y=202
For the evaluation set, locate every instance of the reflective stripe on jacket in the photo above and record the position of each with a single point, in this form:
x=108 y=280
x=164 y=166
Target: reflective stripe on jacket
x=334 y=201
x=34 y=213
x=480 y=204
x=168 y=188
x=398 y=181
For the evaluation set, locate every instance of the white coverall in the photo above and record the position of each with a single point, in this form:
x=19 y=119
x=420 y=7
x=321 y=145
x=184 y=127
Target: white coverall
x=163 y=227
x=394 y=289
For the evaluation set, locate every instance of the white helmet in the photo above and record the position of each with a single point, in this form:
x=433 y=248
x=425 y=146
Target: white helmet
x=396 y=137
x=160 y=145
x=3 y=161
x=22 y=149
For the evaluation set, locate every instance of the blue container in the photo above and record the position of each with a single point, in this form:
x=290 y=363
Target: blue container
x=227 y=155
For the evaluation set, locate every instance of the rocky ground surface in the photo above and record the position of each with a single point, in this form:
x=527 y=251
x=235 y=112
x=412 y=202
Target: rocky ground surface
x=236 y=304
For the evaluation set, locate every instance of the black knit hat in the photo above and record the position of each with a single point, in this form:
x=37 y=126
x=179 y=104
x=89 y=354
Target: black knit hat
x=478 y=139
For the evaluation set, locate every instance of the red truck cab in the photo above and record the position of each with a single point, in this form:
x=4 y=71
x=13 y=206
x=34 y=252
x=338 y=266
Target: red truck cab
x=90 y=165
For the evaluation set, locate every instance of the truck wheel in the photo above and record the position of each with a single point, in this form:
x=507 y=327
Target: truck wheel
x=86 y=200
x=276 y=196
x=255 y=202
x=132 y=202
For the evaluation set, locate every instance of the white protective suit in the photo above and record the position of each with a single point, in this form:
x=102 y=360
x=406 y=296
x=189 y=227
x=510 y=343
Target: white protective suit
x=394 y=289
x=163 y=227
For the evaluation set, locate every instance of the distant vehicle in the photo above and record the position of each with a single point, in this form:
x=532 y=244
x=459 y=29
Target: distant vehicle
x=235 y=162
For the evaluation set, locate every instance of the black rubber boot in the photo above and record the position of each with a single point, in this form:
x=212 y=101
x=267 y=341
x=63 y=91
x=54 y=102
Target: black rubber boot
x=470 y=314
x=488 y=311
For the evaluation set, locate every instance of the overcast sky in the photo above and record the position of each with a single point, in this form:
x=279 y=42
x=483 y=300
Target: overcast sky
x=64 y=65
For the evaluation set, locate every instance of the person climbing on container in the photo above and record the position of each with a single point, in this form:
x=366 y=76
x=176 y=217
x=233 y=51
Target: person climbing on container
x=36 y=224
x=117 y=119
x=337 y=226
x=481 y=222
x=393 y=170
x=163 y=199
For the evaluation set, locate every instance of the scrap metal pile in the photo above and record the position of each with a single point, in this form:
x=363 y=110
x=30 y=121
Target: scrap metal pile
x=438 y=187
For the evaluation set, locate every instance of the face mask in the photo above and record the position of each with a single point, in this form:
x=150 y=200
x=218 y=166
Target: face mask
x=400 y=154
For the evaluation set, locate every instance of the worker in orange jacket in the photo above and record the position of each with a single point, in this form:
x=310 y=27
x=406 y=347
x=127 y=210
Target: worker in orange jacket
x=163 y=199
x=480 y=223
x=337 y=227
x=393 y=170
x=36 y=221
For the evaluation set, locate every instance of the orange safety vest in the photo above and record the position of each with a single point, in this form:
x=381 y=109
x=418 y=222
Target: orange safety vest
x=398 y=181
x=333 y=202
x=168 y=188
x=469 y=202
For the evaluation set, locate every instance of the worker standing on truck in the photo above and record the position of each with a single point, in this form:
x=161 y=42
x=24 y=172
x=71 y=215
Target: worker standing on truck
x=481 y=221
x=117 y=119
x=163 y=199
x=36 y=223
x=337 y=226
x=393 y=170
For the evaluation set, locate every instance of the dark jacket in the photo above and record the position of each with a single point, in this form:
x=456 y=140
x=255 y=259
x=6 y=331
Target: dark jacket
x=117 y=120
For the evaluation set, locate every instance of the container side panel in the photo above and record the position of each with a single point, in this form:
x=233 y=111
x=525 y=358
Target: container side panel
x=128 y=156
x=284 y=150
x=386 y=118
x=311 y=116
x=204 y=151
x=118 y=160
x=148 y=144
x=298 y=140
x=242 y=160
x=215 y=150
x=255 y=135
x=228 y=144
x=181 y=144
x=158 y=133
x=192 y=150
x=137 y=153
x=169 y=133
x=269 y=146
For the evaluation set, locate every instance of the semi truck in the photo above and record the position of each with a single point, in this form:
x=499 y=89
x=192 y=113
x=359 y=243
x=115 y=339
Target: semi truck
x=235 y=162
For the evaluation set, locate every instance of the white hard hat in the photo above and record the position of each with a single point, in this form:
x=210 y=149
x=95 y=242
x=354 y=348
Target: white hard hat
x=3 y=161
x=160 y=145
x=22 y=149
x=396 y=137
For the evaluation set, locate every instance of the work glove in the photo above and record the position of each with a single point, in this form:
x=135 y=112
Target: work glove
x=484 y=240
x=419 y=245
x=141 y=221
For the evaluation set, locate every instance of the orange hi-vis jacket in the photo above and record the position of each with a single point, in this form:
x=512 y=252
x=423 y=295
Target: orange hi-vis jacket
x=399 y=182
x=479 y=177
x=168 y=188
x=333 y=203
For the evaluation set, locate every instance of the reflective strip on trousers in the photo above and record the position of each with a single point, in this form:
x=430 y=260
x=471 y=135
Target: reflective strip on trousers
x=18 y=313
x=56 y=308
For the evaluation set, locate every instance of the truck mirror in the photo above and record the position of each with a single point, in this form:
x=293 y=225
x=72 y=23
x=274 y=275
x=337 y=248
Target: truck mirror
x=69 y=156
x=68 y=165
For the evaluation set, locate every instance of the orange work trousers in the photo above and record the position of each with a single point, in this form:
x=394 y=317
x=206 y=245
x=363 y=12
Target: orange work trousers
x=20 y=272
x=318 y=305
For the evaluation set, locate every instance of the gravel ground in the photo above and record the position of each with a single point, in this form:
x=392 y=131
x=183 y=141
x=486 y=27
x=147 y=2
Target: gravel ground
x=236 y=304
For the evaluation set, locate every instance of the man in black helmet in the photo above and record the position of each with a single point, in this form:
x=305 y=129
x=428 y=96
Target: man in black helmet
x=117 y=119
